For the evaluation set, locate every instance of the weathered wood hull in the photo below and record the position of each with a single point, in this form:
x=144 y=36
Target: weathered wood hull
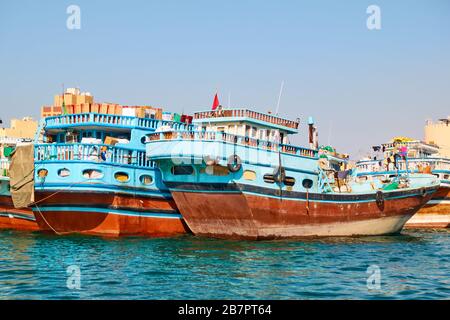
x=107 y=214
x=240 y=212
x=435 y=214
x=18 y=219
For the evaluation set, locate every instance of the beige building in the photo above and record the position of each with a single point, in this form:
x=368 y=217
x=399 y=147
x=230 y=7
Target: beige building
x=438 y=133
x=25 y=128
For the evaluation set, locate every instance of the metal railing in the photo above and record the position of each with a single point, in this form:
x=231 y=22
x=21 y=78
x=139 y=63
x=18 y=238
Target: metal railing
x=74 y=152
x=245 y=113
x=110 y=120
x=324 y=183
x=414 y=164
x=231 y=138
x=4 y=167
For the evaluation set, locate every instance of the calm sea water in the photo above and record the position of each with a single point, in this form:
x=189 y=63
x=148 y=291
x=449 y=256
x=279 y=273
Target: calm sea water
x=414 y=265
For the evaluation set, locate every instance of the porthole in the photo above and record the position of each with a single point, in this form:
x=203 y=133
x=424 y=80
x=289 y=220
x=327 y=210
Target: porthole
x=121 y=176
x=42 y=173
x=182 y=170
x=269 y=178
x=249 y=175
x=64 y=172
x=307 y=183
x=146 y=179
x=289 y=181
x=144 y=139
x=92 y=174
x=446 y=176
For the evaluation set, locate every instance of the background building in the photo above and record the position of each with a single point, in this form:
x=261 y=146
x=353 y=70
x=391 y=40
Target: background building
x=438 y=133
x=20 y=129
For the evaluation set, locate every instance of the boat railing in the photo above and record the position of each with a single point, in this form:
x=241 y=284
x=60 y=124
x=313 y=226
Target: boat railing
x=73 y=152
x=245 y=113
x=412 y=164
x=235 y=139
x=4 y=167
x=110 y=120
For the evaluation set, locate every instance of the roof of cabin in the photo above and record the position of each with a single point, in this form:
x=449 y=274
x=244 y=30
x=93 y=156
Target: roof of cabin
x=238 y=115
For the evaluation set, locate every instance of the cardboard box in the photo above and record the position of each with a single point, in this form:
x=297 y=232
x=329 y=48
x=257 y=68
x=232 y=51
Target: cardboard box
x=111 y=108
x=70 y=109
x=153 y=113
x=84 y=99
x=69 y=99
x=104 y=108
x=167 y=116
x=95 y=108
x=129 y=111
x=57 y=101
x=85 y=107
x=111 y=141
x=176 y=117
x=140 y=112
x=77 y=109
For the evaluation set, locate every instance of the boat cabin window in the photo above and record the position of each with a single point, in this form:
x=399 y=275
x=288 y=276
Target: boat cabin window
x=289 y=181
x=146 y=179
x=121 y=177
x=182 y=170
x=92 y=174
x=269 y=178
x=307 y=183
x=249 y=175
x=64 y=172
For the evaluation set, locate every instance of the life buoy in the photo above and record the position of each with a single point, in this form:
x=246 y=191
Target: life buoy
x=234 y=163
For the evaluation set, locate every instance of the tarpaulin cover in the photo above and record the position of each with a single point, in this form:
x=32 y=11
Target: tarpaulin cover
x=21 y=173
x=7 y=151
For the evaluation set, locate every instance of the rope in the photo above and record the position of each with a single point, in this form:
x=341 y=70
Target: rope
x=48 y=224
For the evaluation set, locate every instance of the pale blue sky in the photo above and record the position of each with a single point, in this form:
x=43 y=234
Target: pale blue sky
x=363 y=87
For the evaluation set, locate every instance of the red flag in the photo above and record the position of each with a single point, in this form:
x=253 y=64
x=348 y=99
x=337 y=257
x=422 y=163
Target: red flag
x=215 y=103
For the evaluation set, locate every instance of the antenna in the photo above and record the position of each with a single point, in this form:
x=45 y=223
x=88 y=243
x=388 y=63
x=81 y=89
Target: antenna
x=279 y=97
x=229 y=100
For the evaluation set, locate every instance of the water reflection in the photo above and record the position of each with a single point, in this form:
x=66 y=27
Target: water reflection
x=34 y=265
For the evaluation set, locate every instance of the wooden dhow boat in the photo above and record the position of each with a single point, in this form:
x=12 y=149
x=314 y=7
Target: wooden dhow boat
x=237 y=176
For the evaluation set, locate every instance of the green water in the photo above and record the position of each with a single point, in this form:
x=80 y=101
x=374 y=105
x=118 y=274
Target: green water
x=414 y=265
